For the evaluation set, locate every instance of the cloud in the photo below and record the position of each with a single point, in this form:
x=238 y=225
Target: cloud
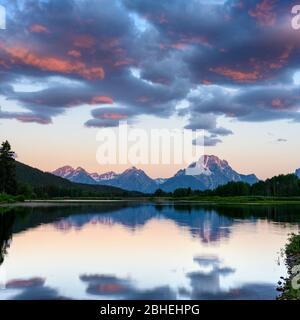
x=26 y=117
x=233 y=58
x=22 y=56
x=236 y=75
x=221 y=131
x=207 y=141
x=253 y=104
x=202 y=121
x=264 y=12
x=38 y=28
x=109 y=117
x=102 y=100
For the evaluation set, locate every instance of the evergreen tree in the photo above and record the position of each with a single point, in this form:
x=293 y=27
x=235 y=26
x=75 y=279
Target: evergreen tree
x=8 y=182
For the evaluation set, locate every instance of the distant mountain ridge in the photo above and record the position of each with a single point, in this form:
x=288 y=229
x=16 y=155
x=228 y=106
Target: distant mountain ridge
x=39 y=179
x=208 y=172
x=78 y=175
x=131 y=179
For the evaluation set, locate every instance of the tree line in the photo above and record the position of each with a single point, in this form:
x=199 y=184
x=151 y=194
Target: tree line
x=8 y=181
x=279 y=186
x=17 y=179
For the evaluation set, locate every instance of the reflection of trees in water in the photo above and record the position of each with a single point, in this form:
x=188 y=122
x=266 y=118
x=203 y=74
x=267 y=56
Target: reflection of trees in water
x=209 y=223
x=6 y=224
x=276 y=213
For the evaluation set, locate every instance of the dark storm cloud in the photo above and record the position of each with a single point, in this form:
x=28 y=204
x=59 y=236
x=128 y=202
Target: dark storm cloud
x=145 y=56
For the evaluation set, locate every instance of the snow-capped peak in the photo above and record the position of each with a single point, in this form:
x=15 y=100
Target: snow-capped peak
x=95 y=176
x=206 y=165
x=103 y=176
x=210 y=160
x=64 y=171
x=108 y=175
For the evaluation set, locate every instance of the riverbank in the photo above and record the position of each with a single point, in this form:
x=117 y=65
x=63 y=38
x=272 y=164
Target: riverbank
x=203 y=200
x=292 y=252
x=6 y=199
x=242 y=200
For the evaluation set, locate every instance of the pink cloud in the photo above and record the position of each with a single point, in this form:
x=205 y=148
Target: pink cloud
x=74 y=53
x=84 y=41
x=38 y=28
x=21 y=55
x=237 y=75
x=102 y=100
x=263 y=12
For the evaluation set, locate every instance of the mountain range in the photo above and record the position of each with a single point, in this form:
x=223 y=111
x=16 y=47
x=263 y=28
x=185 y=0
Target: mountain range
x=208 y=172
x=42 y=182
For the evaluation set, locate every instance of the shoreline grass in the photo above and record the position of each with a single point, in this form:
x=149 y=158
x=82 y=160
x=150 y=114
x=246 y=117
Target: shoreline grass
x=209 y=200
x=292 y=252
x=6 y=198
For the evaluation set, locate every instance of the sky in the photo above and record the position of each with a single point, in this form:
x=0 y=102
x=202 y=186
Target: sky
x=71 y=68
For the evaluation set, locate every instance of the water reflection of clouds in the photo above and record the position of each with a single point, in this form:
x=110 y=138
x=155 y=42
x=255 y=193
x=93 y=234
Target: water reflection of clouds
x=112 y=287
x=31 y=289
x=207 y=284
x=206 y=279
x=251 y=291
x=203 y=286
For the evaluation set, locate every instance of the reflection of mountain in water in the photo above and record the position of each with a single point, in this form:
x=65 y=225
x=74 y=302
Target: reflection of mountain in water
x=204 y=224
x=208 y=223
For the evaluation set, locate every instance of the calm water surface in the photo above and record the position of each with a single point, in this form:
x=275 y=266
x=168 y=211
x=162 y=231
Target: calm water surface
x=143 y=251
